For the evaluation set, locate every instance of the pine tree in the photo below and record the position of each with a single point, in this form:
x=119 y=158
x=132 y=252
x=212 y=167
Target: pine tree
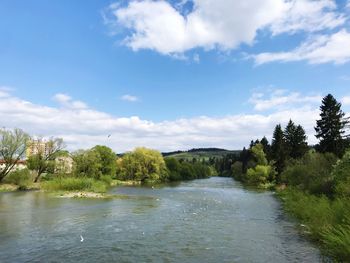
x=295 y=138
x=267 y=147
x=288 y=134
x=330 y=128
x=300 y=146
x=278 y=150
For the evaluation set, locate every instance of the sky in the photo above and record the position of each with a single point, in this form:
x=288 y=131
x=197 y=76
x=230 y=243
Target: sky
x=170 y=75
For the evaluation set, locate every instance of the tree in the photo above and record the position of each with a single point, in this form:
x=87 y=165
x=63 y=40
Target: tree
x=107 y=160
x=278 y=151
x=12 y=149
x=330 y=128
x=142 y=164
x=267 y=147
x=295 y=140
x=262 y=172
x=300 y=146
x=45 y=152
x=288 y=135
x=87 y=164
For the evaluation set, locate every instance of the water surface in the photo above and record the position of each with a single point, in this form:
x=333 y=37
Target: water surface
x=210 y=220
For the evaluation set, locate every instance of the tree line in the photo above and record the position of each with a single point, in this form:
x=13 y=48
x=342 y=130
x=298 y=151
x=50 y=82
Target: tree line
x=98 y=163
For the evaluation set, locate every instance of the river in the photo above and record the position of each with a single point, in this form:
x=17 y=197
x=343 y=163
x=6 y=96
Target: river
x=209 y=220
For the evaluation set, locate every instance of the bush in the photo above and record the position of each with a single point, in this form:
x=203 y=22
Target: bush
x=107 y=179
x=341 y=174
x=313 y=173
x=260 y=175
x=20 y=178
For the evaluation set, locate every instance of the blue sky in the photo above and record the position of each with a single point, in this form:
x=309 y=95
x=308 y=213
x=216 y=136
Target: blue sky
x=170 y=74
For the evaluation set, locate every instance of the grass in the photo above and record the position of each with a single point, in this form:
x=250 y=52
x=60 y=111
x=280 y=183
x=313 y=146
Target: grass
x=75 y=184
x=326 y=221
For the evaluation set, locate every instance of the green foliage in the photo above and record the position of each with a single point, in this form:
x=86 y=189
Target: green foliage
x=12 y=149
x=325 y=220
x=295 y=140
x=142 y=164
x=87 y=164
x=187 y=171
x=106 y=179
x=341 y=174
x=75 y=184
x=259 y=154
x=330 y=128
x=174 y=168
x=20 y=178
x=107 y=159
x=337 y=240
x=237 y=170
x=260 y=175
x=312 y=173
x=278 y=149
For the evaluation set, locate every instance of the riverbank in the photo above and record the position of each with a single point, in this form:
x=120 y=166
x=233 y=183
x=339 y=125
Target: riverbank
x=323 y=220
x=14 y=187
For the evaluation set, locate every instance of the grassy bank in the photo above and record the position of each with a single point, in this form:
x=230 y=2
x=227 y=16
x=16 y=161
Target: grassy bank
x=75 y=184
x=326 y=221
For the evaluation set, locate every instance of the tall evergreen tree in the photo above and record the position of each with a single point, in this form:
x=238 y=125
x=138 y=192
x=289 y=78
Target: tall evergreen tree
x=300 y=146
x=278 y=150
x=288 y=134
x=295 y=138
x=330 y=128
x=267 y=147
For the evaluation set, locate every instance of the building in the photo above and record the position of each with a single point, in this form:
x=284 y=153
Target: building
x=18 y=166
x=36 y=147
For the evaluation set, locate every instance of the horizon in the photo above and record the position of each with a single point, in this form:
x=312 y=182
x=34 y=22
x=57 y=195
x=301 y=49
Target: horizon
x=170 y=75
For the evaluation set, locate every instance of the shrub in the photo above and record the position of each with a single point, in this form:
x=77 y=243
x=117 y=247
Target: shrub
x=107 y=179
x=260 y=175
x=341 y=174
x=20 y=178
x=312 y=173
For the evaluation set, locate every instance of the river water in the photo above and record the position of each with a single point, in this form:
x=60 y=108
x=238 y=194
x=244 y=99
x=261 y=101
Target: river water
x=209 y=220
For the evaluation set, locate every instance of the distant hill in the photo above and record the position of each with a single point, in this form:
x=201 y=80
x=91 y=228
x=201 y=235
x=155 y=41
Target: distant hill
x=200 y=153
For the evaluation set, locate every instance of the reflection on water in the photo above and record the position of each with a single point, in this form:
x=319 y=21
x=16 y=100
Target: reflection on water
x=210 y=220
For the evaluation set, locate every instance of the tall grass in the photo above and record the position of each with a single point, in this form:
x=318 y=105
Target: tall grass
x=75 y=184
x=327 y=221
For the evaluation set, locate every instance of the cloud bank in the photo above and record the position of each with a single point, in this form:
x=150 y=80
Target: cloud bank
x=83 y=127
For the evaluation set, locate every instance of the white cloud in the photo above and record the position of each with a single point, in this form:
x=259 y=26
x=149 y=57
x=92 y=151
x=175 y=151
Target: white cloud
x=85 y=127
x=281 y=99
x=129 y=98
x=222 y=24
x=62 y=98
x=334 y=48
x=346 y=100
x=309 y=16
x=66 y=101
